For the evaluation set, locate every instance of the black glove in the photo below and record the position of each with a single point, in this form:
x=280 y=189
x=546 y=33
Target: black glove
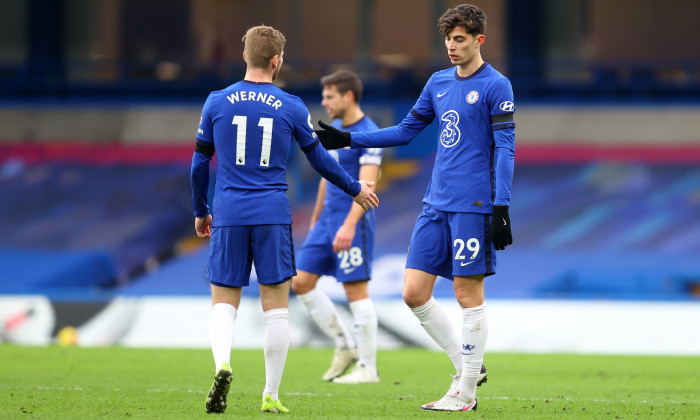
x=331 y=137
x=499 y=230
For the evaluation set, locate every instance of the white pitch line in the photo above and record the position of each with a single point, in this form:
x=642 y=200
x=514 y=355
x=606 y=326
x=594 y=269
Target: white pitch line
x=576 y=400
x=312 y=394
x=79 y=388
x=307 y=394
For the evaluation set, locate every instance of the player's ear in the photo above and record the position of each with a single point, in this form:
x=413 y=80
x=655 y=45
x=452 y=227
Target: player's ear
x=244 y=56
x=275 y=61
x=480 y=39
x=350 y=95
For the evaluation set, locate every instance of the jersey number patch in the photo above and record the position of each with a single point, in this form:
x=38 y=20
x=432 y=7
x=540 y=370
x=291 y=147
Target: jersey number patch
x=471 y=245
x=242 y=123
x=350 y=260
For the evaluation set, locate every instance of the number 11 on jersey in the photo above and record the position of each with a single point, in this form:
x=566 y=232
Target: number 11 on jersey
x=242 y=122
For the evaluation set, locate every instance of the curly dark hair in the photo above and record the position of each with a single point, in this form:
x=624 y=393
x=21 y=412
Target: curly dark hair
x=471 y=17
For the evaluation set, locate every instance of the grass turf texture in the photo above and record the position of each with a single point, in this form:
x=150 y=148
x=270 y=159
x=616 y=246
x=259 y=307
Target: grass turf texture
x=74 y=382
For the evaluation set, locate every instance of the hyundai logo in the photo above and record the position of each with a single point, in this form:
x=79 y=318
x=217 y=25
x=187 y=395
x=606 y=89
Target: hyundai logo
x=507 y=106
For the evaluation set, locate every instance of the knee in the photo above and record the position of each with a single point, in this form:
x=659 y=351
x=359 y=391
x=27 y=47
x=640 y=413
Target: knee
x=470 y=301
x=301 y=285
x=414 y=297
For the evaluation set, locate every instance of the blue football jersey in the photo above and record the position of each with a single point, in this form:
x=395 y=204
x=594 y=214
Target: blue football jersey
x=252 y=127
x=351 y=160
x=476 y=139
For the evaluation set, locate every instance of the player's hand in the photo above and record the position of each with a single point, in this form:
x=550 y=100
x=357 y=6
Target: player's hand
x=202 y=225
x=343 y=238
x=499 y=231
x=331 y=137
x=366 y=197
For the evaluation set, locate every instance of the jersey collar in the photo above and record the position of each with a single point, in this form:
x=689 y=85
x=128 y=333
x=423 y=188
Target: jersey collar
x=255 y=83
x=353 y=124
x=471 y=76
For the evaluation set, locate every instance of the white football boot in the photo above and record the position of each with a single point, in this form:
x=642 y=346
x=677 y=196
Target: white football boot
x=450 y=403
x=452 y=391
x=342 y=359
x=360 y=375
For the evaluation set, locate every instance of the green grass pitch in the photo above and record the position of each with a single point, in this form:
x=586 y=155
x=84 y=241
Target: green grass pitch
x=73 y=382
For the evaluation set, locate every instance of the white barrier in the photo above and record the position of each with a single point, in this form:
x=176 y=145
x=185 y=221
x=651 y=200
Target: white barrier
x=537 y=326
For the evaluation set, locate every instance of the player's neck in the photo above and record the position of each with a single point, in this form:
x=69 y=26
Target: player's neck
x=258 y=75
x=467 y=69
x=352 y=116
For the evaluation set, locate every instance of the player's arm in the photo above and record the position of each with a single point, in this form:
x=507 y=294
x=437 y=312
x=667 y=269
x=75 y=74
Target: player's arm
x=398 y=135
x=346 y=232
x=420 y=116
x=503 y=127
x=318 y=207
x=199 y=173
x=199 y=176
x=329 y=168
x=504 y=159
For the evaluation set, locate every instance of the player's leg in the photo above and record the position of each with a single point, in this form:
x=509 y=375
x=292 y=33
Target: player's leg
x=227 y=277
x=435 y=320
x=431 y=314
x=221 y=322
x=274 y=299
x=473 y=259
x=316 y=258
x=221 y=327
x=429 y=255
x=325 y=315
x=322 y=310
x=469 y=291
x=365 y=320
x=354 y=271
x=273 y=254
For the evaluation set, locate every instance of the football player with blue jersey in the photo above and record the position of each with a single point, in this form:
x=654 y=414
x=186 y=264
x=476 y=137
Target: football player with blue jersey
x=340 y=242
x=465 y=208
x=251 y=125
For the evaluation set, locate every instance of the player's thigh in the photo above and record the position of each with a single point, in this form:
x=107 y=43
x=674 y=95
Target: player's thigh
x=355 y=264
x=230 y=259
x=273 y=253
x=316 y=254
x=430 y=247
x=472 y=254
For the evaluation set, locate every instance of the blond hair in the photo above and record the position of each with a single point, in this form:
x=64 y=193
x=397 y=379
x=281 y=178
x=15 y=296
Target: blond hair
x=261 y=43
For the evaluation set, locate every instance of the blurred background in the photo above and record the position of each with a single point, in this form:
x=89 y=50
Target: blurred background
x=100 y=99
